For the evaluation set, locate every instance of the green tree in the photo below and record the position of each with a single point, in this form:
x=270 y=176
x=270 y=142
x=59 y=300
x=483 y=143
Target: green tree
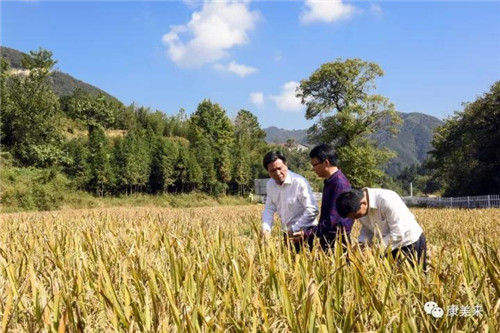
x=76 y=166
x=194 y=172
x=33 y=112
x=132 y=162
x=164 y=155
x=210 y=122
x=248 y=149
x=177 y=125
x=203 y=152
x=338 y=96
x=100 y=178
x=6 y=114
x=466 y=155
x=94 y=111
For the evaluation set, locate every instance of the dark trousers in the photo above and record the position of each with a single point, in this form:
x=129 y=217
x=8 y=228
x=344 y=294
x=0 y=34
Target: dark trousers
x=326 y=240
x=416 y=251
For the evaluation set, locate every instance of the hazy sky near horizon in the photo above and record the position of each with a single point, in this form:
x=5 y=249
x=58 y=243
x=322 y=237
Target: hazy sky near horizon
x=251 y=55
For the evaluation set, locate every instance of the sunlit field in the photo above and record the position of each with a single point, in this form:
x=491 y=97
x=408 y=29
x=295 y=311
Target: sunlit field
x=206 y=270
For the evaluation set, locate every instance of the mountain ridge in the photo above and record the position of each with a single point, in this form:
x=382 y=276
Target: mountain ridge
x=412 y=143
x=62 y=83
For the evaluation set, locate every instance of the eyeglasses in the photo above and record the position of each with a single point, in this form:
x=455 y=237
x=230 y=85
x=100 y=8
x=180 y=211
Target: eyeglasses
x=315 y=164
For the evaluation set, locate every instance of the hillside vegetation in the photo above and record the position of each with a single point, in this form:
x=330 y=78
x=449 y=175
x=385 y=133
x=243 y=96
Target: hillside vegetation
x=60 y=135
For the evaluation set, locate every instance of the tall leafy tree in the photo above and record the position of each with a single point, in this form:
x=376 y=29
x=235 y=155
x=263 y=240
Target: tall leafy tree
x=249 y=146
x=132 y=162
x=34 y=112
x=210 y=122
x=204 y=156
x=6 y=114
x=466 y=155
x=101 y=177
x=94 y=111
x=76 y=166
x=164 y=155
x=177 y=125
x=338 y=96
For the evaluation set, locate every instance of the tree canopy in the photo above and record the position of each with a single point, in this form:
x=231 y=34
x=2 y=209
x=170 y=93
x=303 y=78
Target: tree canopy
x=338 y=96
x=466 y=155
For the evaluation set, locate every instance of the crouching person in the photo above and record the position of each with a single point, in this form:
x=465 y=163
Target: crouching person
x=383 y=214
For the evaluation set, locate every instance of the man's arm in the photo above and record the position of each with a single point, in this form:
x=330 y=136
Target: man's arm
x=268 y=213
x=308 y=202
x=395 y=212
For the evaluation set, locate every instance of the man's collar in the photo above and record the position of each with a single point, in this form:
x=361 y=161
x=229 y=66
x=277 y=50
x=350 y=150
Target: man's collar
x=333 y=175
x=371 y=199
x=288 y=178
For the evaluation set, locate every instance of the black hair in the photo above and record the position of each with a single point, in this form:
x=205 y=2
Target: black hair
x=325 y=152
x=272 y=156
x=349 y=202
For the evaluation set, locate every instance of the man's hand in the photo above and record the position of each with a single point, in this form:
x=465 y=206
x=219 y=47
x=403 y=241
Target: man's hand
x=296 y=237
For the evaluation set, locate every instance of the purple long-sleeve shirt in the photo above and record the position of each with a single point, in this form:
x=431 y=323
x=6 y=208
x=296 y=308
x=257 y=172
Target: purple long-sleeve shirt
x=329 y=218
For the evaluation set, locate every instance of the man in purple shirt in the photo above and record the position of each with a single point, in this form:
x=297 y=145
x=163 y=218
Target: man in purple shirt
x=324 y=160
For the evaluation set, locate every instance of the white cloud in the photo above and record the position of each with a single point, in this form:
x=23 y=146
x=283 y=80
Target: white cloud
x=214 y=30
x=257 y=98
x=326 y=11
x=287 y=100
x=238 y=69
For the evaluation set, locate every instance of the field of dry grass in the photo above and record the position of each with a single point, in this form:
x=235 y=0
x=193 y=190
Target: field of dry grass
x=206 y=270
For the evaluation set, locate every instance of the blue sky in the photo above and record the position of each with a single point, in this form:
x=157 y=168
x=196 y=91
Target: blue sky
x=251 y=55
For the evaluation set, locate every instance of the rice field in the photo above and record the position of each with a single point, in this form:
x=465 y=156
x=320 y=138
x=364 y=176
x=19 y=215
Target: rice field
x=206 y=270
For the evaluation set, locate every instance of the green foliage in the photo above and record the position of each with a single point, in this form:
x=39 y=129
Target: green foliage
x=164 y=155
x=204 y=156
x=32 y=188
x=93 y=111
x=209 y=122
x=466 y=155
x=125 y=118
x=6 y=116
x=100 y=177
x=31 y=113
x=132 y=162
x=248 y=149
x=75 y=165
x=338 y=96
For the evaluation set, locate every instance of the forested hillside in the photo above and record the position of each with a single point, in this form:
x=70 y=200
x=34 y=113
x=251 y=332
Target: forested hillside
x=59 y=136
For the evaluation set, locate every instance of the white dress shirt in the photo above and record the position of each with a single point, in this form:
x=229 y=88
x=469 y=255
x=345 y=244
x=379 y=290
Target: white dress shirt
x=389 y=219
x=293 y=201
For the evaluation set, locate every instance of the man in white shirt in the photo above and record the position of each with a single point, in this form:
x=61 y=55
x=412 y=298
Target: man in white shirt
x=290 y=195
x=384 y=215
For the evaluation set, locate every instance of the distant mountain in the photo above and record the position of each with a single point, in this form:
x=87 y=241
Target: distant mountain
x=279 y=135
x=62 y=83
x=411 y=143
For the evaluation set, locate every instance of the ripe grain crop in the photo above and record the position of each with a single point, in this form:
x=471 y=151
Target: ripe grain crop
x=206 y=270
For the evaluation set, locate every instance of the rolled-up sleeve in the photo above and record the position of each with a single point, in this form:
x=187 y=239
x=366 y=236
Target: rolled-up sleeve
x=268 y=212
x=395 y=219
x=308 y=201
